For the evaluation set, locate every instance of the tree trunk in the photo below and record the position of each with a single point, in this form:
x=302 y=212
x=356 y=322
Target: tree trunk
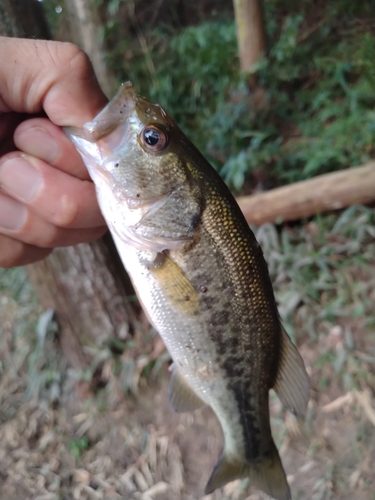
x=85 y=32
x=85 y=285
x=22 y=18
x=250 y=33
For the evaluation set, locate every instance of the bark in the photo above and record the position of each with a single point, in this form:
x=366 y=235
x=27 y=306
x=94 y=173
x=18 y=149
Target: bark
x=304 y=199
x=250 y=32
x=85 y=285
x=85 y=21
x=22 y=18
x=91 y=303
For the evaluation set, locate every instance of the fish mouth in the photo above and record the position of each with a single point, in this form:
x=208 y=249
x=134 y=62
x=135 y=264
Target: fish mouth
x=111 y=134
x=117 y=111
x=116 y=127
x=112 y=116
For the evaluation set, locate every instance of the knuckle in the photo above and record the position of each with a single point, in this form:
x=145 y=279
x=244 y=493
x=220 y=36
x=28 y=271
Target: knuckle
x=66 y=52
x=67 y=213
x=79 y=62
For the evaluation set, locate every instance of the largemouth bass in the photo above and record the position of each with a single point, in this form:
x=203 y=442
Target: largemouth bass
x=201 y=278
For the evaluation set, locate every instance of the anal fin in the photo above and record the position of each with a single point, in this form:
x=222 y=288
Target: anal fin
x=181 y=396
x=292 y=383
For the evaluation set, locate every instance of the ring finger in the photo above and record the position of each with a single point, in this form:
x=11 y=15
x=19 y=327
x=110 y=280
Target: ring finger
x=15 y=253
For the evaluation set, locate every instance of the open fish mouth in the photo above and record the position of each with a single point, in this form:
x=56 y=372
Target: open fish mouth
x=117 y=111
x=112 y=134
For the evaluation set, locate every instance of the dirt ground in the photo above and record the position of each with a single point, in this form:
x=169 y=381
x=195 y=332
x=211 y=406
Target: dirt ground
x=57 y=441
x=143 y=451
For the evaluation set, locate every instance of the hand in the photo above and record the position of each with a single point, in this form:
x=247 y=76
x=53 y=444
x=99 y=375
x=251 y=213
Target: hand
x=46 y=197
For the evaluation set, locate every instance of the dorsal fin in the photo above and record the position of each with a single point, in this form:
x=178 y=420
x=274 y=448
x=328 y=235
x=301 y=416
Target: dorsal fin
x=292 y=383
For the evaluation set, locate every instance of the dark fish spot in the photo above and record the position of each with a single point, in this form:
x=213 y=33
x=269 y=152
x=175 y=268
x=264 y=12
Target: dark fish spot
x=209 y=302
x=232 y=365
x=221 y=350
x=187 y=298
x=247 y=419
x=120 y=111
x=220 y=318
x=116 y=164
x=228 y=346
x=194 y=221
x=138 y=195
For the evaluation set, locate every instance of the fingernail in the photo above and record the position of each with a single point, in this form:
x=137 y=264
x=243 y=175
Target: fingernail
x=20 y=179
x=12 y=214
x=37 y=142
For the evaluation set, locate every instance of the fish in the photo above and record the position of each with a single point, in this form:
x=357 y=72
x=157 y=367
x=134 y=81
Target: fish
x=201 y=278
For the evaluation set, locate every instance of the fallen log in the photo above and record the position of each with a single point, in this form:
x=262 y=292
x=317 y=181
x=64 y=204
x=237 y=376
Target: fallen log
x=306 y=198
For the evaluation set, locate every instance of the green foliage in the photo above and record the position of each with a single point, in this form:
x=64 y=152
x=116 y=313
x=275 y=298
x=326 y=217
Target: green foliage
x=44 y=363
x=190 y=72
x=324 y=281
x=14 y=282
x=316 y=113
x=78 y=446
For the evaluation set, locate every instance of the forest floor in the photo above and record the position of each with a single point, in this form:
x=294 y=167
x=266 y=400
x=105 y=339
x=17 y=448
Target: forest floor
x=60 y=441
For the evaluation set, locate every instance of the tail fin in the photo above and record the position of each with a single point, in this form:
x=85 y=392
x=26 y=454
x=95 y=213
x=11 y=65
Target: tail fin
x=268 y=475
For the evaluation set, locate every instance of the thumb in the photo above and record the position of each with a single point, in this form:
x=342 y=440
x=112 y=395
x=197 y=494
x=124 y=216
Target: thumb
x=54 y=77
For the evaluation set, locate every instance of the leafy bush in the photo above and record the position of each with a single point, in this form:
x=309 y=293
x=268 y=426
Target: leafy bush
x=317 y=108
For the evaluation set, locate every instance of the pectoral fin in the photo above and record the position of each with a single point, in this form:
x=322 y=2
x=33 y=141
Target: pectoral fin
x=181 y=396
x=267 y=475
x=175 y=285
x=292 y=383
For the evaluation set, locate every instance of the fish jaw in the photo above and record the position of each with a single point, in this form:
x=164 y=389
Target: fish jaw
x=122 y=210
x=126 y=175
x=120 y=107
x=103 y=156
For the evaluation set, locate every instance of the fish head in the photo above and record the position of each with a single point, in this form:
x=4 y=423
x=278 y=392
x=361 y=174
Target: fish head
x=139 y=160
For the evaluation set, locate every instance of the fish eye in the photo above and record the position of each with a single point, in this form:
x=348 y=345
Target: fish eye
x=154 y=138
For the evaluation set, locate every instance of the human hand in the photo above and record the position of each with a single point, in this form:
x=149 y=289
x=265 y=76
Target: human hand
x=46 y=197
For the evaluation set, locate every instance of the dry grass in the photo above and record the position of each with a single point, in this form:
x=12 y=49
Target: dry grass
x=61 y=444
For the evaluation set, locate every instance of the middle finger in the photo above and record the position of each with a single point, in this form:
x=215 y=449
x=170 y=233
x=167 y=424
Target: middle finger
x=53 y=195
x=43 y=139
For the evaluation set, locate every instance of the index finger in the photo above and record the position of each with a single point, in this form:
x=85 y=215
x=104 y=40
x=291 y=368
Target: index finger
x=56 y=77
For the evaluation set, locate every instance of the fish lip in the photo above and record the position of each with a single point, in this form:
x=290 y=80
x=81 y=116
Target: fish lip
x=103 y=156
x=90 y=140
x=118 y=110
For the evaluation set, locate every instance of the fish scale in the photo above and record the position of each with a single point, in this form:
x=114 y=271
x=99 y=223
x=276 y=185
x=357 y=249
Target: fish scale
x=201 y=278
